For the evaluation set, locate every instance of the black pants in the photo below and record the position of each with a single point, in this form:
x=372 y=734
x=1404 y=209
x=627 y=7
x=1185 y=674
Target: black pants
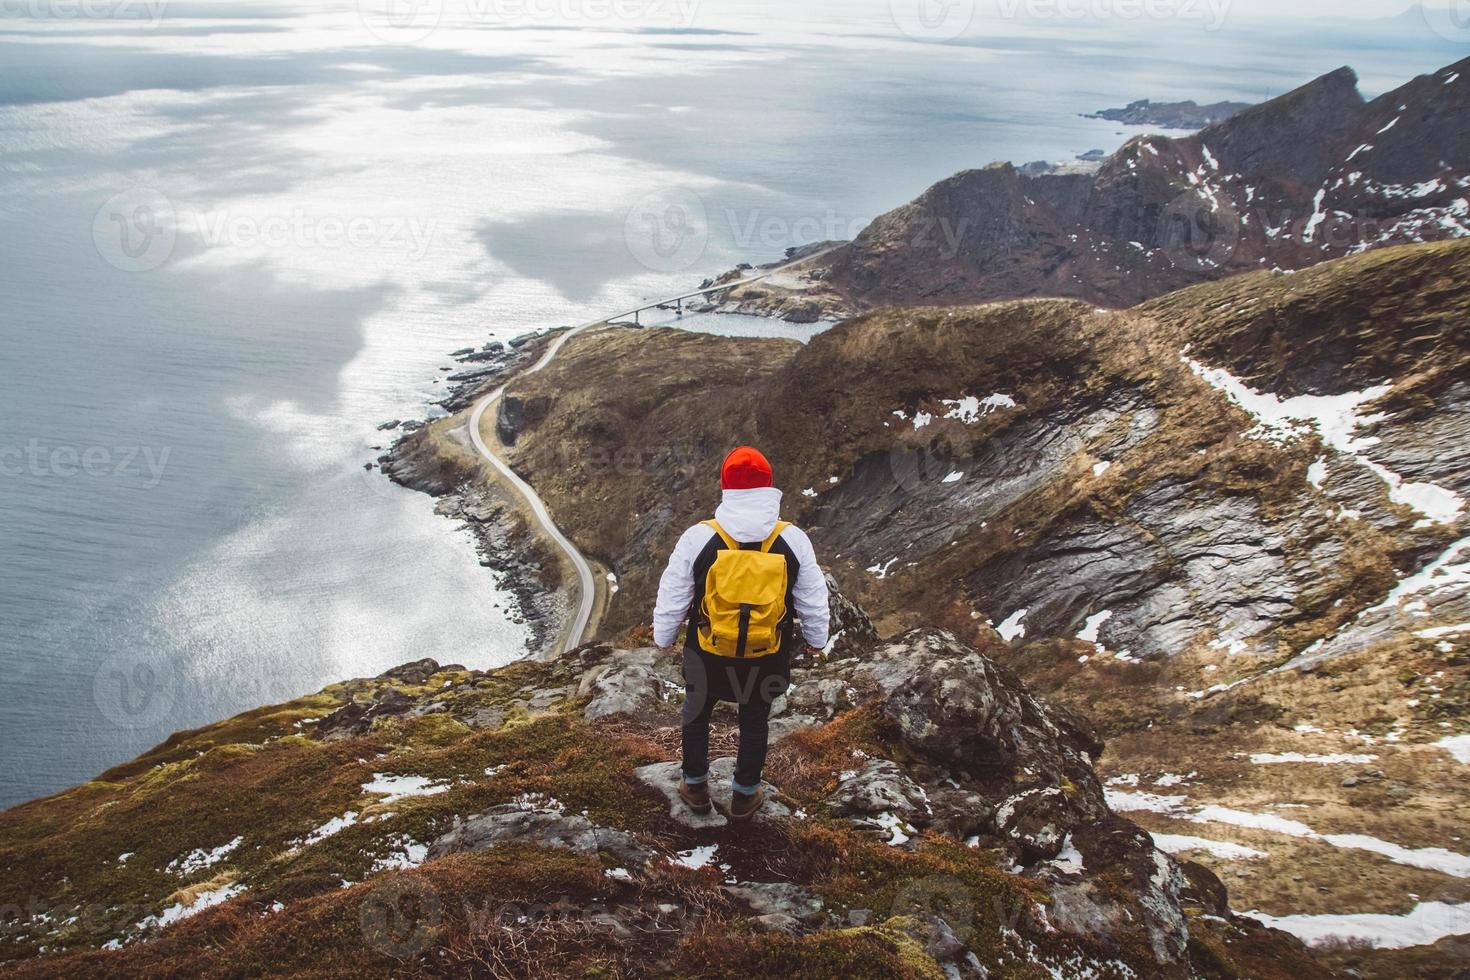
x=752 y=685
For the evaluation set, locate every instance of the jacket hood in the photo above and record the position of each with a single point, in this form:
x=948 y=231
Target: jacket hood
x=749 y=515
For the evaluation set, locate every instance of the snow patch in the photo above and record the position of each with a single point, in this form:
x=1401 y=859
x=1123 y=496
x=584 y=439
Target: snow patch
x=1435 y=632
x=1012 y=627
x=1093 y=624
x=1336 y=419
x=1428 y=858
x=1177 y=843
x=395 y=787
x=1457 y=746
x=202 y=901
x=1425 y=924
x=199 y=858
x=1270 y=758
x=332 y=827
x=1068 y=859
x=406 y=853
x=696 y=857
x=880 y=570
x=970 y=409
x=899 y=832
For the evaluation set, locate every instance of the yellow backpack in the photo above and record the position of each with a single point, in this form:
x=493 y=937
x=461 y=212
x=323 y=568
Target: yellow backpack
x=744 y=599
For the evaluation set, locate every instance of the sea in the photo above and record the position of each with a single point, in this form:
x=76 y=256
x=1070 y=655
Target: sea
x=236 y=236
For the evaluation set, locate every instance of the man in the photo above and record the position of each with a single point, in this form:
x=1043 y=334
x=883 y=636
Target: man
x=738 y=584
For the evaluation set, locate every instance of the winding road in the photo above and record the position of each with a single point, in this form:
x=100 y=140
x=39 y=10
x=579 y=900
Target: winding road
x=587 y=587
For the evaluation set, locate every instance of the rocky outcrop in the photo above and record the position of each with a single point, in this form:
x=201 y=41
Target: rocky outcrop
x=1312 y=175
x=544 y=825
x=1171 y=115
x=930 y=817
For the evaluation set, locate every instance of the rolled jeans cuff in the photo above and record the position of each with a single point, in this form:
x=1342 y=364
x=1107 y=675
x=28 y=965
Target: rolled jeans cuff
x=740 y=787
x=695 y=780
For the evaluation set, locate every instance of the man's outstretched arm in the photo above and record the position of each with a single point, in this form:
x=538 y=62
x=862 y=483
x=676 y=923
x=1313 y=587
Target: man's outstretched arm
x=676 y=588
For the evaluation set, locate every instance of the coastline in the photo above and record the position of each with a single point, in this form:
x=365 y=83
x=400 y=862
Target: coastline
x=439 y=456
x=434 y=458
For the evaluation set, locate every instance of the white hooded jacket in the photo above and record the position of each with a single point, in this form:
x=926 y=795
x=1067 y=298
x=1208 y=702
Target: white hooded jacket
x=746 y=515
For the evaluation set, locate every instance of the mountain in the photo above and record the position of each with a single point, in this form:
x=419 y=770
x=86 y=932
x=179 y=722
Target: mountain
x=1171 y=115
x=1226 y=524
x=1315 y=174
x=933 y=819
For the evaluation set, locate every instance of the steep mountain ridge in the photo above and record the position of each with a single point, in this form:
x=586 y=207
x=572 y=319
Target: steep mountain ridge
x=1314 y=174
x=1024 y=400
x=1229 y=523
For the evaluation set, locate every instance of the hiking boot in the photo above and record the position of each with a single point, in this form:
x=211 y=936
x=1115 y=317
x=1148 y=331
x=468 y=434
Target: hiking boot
x=695 y=795
x=744 y=805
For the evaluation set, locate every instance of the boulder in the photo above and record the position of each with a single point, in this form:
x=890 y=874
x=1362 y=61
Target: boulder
x=631 y=683
x=880 y=787
x=851 y=632
x=957 y=709
x=778 y=898
x=547 y=826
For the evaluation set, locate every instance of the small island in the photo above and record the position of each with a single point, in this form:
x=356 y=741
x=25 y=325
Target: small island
x=1170 y=115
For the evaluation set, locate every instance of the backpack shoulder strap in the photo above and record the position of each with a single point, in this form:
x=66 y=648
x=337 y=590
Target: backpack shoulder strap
x=770 y=542
x=729 y=541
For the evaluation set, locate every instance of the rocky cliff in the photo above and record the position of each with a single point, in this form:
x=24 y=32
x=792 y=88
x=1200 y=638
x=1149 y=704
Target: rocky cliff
x=930 y=818
x=1227 y=524
x=1315 y=174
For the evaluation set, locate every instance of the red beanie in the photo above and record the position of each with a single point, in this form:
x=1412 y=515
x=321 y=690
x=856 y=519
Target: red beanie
x=745 y=469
